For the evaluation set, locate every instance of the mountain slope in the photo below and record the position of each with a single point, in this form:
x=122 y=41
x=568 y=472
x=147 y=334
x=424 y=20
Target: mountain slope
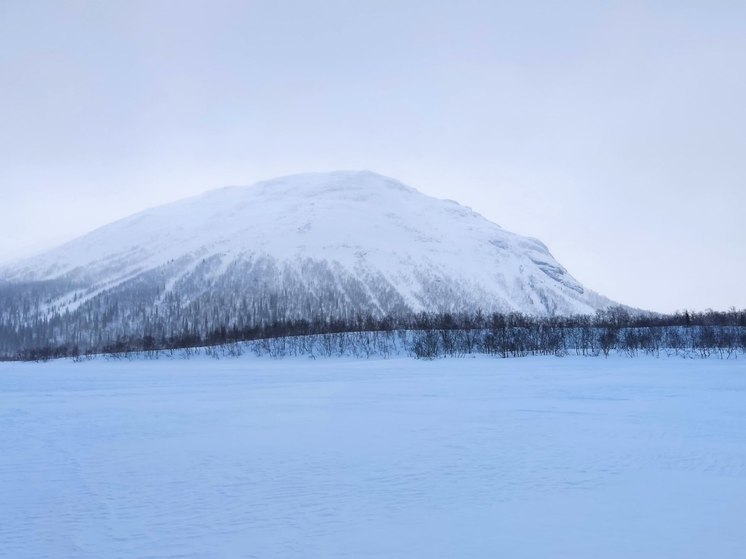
x=305 y=246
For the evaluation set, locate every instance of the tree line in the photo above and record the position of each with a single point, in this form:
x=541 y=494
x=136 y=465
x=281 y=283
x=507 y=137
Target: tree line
x=431 y=335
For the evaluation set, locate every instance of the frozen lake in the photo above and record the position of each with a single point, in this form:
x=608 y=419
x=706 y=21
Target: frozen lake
x=472 y=458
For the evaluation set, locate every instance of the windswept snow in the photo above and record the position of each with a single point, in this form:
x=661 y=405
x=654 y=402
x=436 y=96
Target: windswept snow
x=478 y=458
x=368 y=230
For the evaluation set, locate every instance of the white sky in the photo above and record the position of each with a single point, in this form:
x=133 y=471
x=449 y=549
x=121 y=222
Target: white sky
x=613 y=131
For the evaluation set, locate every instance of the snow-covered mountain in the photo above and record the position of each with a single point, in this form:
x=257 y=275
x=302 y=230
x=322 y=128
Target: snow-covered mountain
x=327 y=244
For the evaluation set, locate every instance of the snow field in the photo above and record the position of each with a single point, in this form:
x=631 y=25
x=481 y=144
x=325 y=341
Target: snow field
x=367 y=229
x=520 y=458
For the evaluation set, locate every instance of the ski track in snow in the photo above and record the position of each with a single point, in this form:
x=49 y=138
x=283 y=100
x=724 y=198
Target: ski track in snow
x=534 y=457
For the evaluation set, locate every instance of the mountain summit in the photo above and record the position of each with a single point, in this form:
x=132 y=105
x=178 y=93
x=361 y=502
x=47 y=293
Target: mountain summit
x=315 y=245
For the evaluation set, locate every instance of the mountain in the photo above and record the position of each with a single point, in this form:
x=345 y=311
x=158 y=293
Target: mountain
x=325 y=245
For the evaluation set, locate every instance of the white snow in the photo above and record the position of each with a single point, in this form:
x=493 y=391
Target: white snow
x=362 y=222
x=479 y=458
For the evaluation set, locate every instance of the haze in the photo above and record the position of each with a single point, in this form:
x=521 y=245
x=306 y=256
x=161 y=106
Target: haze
x=614 y=132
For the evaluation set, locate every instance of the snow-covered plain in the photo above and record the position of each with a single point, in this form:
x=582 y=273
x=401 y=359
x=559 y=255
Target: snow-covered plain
x=519 y=458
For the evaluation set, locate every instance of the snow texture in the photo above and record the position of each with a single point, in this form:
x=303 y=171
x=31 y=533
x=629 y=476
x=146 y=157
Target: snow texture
x=479 y=458
x=378 y=240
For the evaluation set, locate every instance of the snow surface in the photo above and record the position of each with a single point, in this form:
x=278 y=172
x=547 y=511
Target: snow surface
x=361 y=224
x=521 y=458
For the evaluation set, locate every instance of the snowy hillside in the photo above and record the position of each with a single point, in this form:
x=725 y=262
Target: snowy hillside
x=330 y=244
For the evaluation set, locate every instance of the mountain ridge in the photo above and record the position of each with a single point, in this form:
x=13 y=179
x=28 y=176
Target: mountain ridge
x=318 y=245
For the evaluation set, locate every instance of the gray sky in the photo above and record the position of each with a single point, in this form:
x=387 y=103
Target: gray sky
x=613 y=131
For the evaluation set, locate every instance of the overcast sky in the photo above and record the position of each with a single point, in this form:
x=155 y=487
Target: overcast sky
x=613 y=131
